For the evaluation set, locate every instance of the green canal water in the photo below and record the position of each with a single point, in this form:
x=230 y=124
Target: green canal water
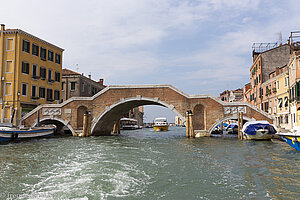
x=142 y=164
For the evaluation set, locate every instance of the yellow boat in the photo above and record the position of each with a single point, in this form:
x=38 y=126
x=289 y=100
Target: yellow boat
x=161 y=124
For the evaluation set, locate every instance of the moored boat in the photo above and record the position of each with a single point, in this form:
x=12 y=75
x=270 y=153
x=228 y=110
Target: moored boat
x=8 y=134
x=161 y=124
x=258 y=130
x=292 y=138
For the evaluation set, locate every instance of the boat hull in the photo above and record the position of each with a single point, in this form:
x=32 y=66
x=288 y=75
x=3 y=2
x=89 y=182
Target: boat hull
x=14 y=135
x=293 y=141
x=161 y=128
x=261 y=134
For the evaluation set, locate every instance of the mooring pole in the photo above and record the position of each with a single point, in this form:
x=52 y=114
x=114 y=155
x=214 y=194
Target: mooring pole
x=241 y=120
x=239 y=132
x=192 y=135
x=85 y=125
x=187 y=124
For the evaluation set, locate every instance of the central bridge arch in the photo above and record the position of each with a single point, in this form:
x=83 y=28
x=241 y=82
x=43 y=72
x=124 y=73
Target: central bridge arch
x=102 y=125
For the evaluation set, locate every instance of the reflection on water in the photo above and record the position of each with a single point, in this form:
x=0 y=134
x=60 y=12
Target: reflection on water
x=143 y=164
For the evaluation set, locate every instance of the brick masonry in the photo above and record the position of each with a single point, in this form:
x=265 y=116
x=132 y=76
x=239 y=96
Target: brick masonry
x=107 y=106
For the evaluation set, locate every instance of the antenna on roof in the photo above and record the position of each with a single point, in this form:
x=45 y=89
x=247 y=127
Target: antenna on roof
x=280 y=37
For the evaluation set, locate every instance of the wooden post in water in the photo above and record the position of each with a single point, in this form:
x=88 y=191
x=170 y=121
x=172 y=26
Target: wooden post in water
x=192 y=135
x=239 y=132
x=85 y=125
x=187 y=124
x=115 y=129
x=241 y=121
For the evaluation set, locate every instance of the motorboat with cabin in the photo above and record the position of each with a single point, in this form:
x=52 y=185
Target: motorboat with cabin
x=128 y=123
x=161 y=124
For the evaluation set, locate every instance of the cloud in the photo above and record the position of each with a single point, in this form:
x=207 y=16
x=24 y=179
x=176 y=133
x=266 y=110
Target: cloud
x=198 y=46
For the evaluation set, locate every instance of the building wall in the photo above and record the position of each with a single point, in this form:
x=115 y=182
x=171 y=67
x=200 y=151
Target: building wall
x=13 y=95
x=84 y=87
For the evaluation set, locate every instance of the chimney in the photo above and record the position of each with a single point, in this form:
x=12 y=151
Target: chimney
x=2 y=27
x=90 y=76
x=100 y=81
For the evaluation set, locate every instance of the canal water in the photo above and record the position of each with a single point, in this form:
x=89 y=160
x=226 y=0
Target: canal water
x=142 y=164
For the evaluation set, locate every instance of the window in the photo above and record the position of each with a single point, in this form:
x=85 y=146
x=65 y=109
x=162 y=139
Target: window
x=56 y=95
x=62 y=85
x=26 y=46
x=57 y=58
x=24 y=89
x=277 y=85
x=8 y=89
x=57 y=76
x=33 y=91
x=280 y=103
x=49 y=75
x=43 y=73
x=286 y=81
x=9 y=66
x=73 y=85
x=286 y=102
x=49 y=94
x=34 y=71
x=35 y=49
x=42 y=92
x=43 y=53
x=25 y=68
x=50 y=55
x=10 y=44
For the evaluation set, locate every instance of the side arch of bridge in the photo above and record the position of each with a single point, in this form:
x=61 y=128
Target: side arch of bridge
x=226 y=119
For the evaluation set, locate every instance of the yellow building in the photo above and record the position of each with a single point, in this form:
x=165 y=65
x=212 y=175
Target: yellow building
x=30 y=71
x=282 y=94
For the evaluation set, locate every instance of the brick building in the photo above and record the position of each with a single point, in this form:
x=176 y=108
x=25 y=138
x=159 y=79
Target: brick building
x=266 y=59
x=231 y=95
x=77 y=85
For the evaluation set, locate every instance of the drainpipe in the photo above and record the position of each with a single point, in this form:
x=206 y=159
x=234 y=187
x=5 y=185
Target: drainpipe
x=15 y=85
x=1 y=70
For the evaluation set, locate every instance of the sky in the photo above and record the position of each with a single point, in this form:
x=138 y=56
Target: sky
x=200 y=47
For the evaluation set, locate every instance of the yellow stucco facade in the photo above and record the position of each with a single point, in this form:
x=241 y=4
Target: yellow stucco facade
x=30 y=71
x=283 y=108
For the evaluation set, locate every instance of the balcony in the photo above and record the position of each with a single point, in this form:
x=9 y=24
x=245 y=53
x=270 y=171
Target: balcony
x=50 y=81
x=35 y=77
x=268 y=92
x=274 y=90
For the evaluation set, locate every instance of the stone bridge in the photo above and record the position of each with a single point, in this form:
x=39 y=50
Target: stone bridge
x=107 y=107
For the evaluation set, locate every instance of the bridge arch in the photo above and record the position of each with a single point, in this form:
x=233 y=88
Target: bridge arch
x=56 y=121
x=226 y=119
x=102 y=125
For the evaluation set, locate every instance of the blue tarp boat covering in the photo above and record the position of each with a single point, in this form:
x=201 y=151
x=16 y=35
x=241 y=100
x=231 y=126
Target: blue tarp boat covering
x=252 y=128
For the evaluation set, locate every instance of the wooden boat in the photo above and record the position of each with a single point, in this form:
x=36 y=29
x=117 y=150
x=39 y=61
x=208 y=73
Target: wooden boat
x=292 y=138
x=258 y=130
x=161 y=124
x=8 y=133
